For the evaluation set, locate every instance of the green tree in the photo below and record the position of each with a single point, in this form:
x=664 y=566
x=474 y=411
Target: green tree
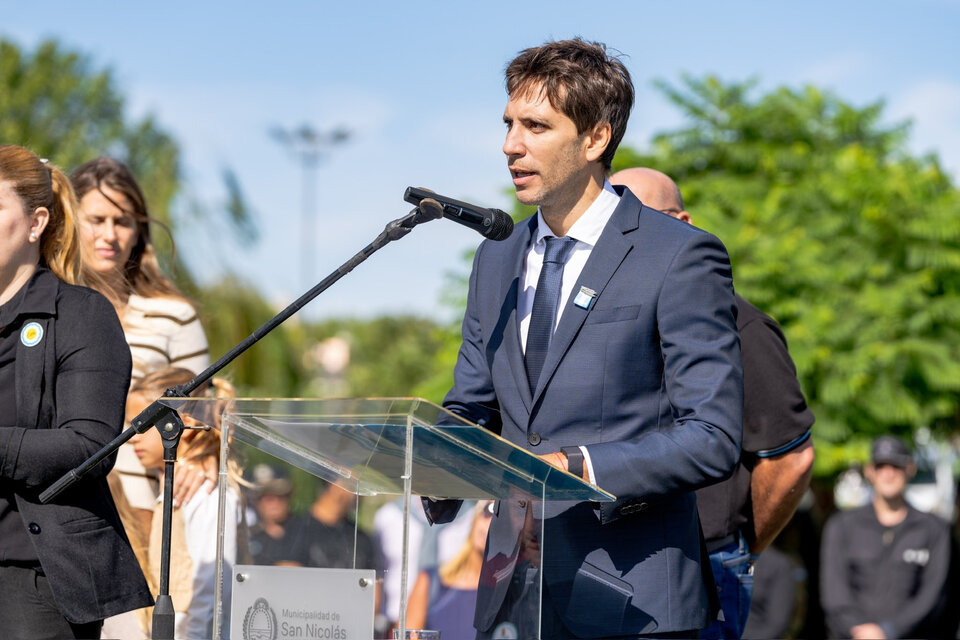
x=390 y=356
x=835 y=229
x=56 y=103
x=59 y=104
x=454 y=297
x=274 y=366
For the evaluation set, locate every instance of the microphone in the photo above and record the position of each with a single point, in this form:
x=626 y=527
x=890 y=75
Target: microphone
x=490 y=223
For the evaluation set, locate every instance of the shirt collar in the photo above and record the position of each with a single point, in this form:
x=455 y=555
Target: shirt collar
x=589 y=226
x=37 y=297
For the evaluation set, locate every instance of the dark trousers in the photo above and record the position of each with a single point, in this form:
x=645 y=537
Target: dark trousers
x=29 y=612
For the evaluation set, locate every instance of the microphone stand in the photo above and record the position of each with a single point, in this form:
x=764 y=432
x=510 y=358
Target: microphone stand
x=167 y=421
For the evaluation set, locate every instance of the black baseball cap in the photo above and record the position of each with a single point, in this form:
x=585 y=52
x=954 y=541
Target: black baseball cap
x=276 y=487
x=890 y=450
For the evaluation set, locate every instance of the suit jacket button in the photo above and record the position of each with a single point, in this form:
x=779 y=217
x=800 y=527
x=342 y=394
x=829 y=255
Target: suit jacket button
x=33 y=528
x=534 y=439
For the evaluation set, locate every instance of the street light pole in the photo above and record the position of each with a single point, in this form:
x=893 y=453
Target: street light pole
x=307 y=145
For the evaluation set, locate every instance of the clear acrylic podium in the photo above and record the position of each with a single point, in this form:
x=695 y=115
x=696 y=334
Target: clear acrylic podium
x=389 y=447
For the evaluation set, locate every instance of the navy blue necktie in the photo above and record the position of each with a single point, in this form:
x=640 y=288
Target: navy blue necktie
x=543 y=318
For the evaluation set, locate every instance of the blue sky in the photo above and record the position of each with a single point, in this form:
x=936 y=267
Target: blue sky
x=420 y=86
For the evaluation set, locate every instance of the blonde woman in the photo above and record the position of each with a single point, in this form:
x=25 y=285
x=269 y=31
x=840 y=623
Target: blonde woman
x=444 y=599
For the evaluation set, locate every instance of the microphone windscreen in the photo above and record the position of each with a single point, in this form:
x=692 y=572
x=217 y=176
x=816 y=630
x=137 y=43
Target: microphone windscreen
x=502 y=225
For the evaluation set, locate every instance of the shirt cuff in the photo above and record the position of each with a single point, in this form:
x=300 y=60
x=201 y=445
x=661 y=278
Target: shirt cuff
x=588 y=465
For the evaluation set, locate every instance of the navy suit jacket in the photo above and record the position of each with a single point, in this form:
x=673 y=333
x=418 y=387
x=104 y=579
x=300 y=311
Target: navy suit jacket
x=649 y=379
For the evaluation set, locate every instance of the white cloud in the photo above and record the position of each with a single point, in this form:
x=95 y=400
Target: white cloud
x=834 y=71
x=934 y=107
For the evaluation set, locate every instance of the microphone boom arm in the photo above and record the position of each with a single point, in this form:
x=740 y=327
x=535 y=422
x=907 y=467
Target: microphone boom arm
x=156 y=410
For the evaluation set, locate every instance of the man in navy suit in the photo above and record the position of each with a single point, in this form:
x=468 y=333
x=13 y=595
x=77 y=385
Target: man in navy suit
x=628 y=374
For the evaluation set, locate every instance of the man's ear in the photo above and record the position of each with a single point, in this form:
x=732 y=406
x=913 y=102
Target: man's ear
x=683 y=215
x=597 y=141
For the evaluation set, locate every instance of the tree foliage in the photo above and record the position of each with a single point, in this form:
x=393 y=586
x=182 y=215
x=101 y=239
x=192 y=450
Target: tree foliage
x=273 y=367
x=390 y=356
x=836 y=230
x=56 y=103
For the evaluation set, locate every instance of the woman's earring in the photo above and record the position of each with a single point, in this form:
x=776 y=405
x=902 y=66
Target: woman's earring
x=33 y=237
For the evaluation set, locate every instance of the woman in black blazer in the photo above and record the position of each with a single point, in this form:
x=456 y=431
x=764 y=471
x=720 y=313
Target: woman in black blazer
x=64 y=373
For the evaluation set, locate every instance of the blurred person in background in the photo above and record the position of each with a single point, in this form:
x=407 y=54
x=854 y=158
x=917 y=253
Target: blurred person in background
x=326 y=535
x=160 y=324
x=444 y=598
x=268 y=537
x=64 y=372
x=194 y=542
x=742 y=515
x=428 y=547
x=774 y=602
x=884 y=566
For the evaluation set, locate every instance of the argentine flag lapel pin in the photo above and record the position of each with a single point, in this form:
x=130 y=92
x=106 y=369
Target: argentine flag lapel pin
x=31 y=334
x=585 y=298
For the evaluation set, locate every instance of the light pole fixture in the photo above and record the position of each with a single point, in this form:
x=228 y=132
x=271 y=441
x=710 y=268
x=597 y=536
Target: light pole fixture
x=307 y=146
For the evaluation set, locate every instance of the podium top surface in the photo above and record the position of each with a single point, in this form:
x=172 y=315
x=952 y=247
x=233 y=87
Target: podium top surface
x=362 y=445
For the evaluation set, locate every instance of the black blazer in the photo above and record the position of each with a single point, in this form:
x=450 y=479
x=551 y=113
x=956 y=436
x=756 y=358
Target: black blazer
x=71 y=387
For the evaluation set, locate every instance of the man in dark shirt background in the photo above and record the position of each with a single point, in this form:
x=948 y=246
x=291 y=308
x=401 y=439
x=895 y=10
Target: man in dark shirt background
x=324 y=537
x=268 y=537
x=884 y=566
x=742 y=515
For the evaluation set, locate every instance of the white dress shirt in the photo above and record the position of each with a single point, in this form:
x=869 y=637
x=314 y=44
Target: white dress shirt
x=586 y=231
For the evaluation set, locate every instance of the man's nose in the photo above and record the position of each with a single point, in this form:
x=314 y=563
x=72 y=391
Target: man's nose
x=513 y=143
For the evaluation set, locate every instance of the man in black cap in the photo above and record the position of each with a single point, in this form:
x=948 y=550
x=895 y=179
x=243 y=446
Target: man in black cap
x=268 y=537
x=884 y=566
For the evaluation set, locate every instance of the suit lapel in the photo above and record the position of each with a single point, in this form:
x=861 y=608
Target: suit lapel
x=605 y=259
x=514 y=274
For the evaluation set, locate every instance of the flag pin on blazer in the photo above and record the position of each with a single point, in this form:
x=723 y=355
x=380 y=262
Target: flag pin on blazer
x=585 y=298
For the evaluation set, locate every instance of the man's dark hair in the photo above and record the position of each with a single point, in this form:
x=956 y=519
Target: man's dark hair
x=582 y=81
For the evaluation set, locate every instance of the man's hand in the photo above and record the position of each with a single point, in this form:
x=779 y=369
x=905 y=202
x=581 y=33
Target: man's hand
x=559 y=460
x=868 y=631
x=776 y=486
x=556 y=459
